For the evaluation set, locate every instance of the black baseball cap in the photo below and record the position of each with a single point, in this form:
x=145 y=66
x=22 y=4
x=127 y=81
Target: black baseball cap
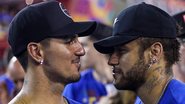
x=44 y=20
x=102 y=31
x=142 y=20
x=180 y=18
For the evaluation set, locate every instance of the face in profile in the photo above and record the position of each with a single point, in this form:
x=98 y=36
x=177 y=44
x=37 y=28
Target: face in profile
x=88 y=60
x=129 y=66
x=62 y=59
x=182 y=56
x=16 y=73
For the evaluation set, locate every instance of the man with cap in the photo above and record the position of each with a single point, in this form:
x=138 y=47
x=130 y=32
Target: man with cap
x=179 y=67
x=44 y=38
x=144 y=37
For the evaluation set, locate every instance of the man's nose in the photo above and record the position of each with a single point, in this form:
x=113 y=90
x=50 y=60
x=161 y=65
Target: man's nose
x=80 y=51
x=114 y=59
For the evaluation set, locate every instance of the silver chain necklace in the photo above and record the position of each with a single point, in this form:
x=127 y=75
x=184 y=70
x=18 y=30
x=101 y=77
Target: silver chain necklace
x=163 y=90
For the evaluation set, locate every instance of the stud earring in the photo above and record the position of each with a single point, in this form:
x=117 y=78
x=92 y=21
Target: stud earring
x=41 y=62
x=152 y=61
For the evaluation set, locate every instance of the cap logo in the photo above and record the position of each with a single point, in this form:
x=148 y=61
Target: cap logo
x=115 y=21
x=64 y=10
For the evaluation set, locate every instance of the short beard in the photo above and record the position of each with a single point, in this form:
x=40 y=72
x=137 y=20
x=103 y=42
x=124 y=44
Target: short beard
x=58 y=78
x=72 y=79
x=135 y=77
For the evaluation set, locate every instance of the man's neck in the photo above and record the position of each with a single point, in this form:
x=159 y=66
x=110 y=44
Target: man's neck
x=152 y=90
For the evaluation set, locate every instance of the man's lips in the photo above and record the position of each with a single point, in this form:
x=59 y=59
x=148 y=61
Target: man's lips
x=76 y=61
x=116 y=70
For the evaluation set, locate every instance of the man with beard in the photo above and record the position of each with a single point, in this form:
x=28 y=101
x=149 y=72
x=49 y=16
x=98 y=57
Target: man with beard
x=44 y=39
x=142 y=50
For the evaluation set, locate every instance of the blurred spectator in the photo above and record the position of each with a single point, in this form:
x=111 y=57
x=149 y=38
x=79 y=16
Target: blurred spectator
x=95 y=85
x=179 y=67
x=7 y=55
x=7 y=11
x=11 y=82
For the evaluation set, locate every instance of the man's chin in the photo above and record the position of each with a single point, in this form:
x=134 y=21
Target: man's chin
x=118 y=85
x=75 y=78
x=123 y=85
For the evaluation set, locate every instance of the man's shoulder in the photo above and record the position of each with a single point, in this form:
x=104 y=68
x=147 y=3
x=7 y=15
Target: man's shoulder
x=175 y=92
x=177 y=86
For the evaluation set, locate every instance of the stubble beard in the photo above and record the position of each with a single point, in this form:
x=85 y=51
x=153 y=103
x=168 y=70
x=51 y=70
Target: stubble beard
x=61 y=78
x=135 y=77
x=73 y=78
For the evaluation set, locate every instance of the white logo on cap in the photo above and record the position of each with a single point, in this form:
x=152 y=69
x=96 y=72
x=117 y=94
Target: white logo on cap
x=115 y=21
x=64 y=10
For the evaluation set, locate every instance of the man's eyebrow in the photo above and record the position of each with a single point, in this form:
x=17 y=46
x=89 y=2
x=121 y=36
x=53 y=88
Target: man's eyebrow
x=70 y=36
x=121 y=47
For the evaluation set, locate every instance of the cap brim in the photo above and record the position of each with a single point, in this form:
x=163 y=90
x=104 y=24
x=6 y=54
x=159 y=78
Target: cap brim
x=107 y=45
x=80 y=28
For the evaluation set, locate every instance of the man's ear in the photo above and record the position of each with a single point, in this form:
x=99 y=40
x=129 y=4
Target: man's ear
x=34 y=50
x=156 y=50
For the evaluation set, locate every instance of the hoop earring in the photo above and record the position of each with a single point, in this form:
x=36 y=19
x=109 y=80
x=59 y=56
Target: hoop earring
x=41 y=61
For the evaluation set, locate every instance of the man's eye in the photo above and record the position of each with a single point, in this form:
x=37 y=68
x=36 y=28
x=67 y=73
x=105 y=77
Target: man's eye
x=73 y=41
x=70 y=40
x=122 y=51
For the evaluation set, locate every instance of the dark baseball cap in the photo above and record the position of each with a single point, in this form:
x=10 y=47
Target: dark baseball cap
x=180 y=18
x=102 y=31
x=142 y=20
x=44 y=20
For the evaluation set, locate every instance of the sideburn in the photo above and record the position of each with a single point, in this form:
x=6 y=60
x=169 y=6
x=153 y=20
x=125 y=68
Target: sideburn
x=136 y=75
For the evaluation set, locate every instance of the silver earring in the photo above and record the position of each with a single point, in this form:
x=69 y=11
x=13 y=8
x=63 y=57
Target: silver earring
x=41 y=61
x=153 y=61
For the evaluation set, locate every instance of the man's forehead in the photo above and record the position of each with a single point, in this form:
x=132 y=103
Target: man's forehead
x=132 y=45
